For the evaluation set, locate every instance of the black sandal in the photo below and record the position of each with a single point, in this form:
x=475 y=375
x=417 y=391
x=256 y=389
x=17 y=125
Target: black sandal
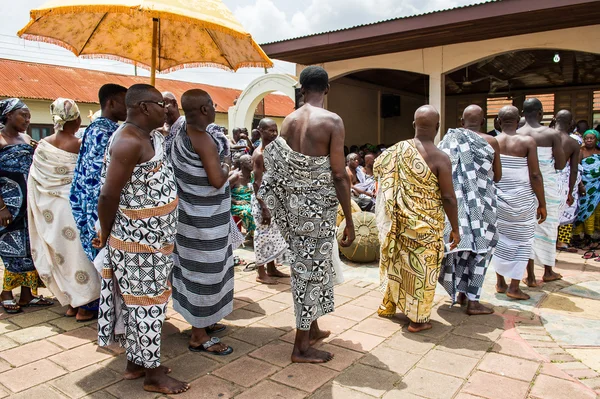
x=38 y=301
x=11 y=307
x=211 y=342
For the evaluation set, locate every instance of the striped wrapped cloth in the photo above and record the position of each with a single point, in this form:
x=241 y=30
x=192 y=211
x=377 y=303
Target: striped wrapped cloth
x=544 y=242
x=517 y=206
x=203 y=257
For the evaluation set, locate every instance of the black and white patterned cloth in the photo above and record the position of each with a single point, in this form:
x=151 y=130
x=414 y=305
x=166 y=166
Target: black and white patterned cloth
x=134 y=287
x=299 y=191
x=463 y=270
x=269 y=244
x=203 y=258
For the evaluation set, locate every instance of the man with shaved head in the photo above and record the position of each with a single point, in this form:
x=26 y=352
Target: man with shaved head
x=203 y=258
x=476 y=168
x=570 y=180
x=173 y=119
x=137 y=210
x=303 y=183
x=415 y=180
x=269 y=244
x=518 y=209
x=551 y=157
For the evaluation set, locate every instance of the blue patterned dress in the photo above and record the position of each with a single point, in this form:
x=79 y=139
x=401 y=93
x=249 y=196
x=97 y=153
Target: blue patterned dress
x=15 y=161
x=85 y=189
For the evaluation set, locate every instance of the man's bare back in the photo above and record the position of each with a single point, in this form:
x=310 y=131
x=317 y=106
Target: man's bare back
x=515 y=145
x=309 y=130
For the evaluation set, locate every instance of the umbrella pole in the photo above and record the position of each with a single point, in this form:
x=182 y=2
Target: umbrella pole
x=154 y=50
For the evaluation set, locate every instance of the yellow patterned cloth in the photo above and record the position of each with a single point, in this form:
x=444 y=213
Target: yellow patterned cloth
x=410 y=219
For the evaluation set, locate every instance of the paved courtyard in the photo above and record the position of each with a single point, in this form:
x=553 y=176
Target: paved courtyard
x=547 y=347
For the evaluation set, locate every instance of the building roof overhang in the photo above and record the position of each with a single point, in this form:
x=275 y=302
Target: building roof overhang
x=466 y=24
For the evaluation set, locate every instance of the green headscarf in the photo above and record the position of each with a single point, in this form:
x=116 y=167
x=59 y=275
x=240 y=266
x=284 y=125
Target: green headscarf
x=592 y=131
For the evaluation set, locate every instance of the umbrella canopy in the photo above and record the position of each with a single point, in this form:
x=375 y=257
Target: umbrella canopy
x=163 y=35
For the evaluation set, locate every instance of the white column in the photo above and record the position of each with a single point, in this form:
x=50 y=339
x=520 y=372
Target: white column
x=433 y=60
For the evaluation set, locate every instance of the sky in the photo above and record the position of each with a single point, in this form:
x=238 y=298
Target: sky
x=266 y=20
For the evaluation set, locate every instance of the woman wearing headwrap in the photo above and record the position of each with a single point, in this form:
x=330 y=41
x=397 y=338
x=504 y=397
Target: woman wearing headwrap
x=16 y=153
x=588 y=215
x=56 y=247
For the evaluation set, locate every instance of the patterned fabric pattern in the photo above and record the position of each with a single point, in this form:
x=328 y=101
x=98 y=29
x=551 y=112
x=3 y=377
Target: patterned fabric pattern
x=516 y=218
x=9 y=105
x=175 y=127
x=565 y=233
x=467 y=274
x=86 y=181
x=569 y=213
x=269 y=244
x=473 y=179
x=135 y=288
x=15 y=251
x=299 y=191
x=203 y=271
x=56 y=248
x=591 y=181
x=410 y=219
x=241 y=207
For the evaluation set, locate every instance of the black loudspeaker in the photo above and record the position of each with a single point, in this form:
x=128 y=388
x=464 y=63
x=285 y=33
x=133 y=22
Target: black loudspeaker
x=390 y=105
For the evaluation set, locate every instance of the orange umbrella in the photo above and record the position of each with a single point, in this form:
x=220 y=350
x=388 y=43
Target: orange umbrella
x=163 y=35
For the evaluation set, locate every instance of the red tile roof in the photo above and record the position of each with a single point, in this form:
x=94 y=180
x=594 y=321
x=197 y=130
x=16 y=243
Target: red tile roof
x=28 y=80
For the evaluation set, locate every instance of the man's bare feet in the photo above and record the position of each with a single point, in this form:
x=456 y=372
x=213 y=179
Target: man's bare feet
x=134 y=371
x=418 y=327
x=461 y=299
x=551 y=275
x=157 y=381
x=85 y=315
x=474 y=308
x=272 y=271
x=266 y=280
x=71 y=311
x=311 y=355
x=318 y=335
x=501 y=289
x=530 y=283
x=517 y=294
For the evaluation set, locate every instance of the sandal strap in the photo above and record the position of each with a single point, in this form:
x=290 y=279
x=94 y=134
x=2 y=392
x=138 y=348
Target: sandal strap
x=9 y=302
x=211 y=342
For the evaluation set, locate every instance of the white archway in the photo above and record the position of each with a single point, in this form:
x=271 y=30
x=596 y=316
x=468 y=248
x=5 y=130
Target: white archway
x=242 y=113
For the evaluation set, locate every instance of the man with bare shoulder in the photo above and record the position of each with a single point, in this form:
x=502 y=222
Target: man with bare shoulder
x=304 y=179
x=415 y=180
x=476 y=167
x=269 y=244
x=137 y=210
x=570 y=180
x=518 y=208
x=551 y=158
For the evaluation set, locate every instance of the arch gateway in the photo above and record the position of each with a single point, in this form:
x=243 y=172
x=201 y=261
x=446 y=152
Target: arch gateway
x=491 y=54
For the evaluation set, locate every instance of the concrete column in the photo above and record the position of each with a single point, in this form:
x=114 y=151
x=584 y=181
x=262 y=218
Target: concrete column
x=433 y=65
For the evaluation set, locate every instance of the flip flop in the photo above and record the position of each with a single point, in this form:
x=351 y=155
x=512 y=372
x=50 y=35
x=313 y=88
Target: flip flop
x=589 y=254
x=38 y=301
x=250 y=267
x=237 y=261
x=213 y=341
x=10 y=306
x=571 y=250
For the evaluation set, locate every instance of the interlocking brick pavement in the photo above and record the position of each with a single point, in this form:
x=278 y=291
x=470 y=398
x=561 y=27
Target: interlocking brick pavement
x=518 y=352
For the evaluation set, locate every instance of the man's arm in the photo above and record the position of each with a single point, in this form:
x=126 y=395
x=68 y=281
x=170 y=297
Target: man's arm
x=444 y=176
x=497 y=166
x=573 y=166
x=259 y=168
x=207 y=150
x=560 y=160
x=536 y=179
x=340 y=178
x=125 y=153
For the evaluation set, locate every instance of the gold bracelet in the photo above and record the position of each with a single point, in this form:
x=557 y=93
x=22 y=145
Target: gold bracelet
x=3 y=208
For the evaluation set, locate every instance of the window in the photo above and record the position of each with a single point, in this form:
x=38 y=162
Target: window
x=38 y=132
